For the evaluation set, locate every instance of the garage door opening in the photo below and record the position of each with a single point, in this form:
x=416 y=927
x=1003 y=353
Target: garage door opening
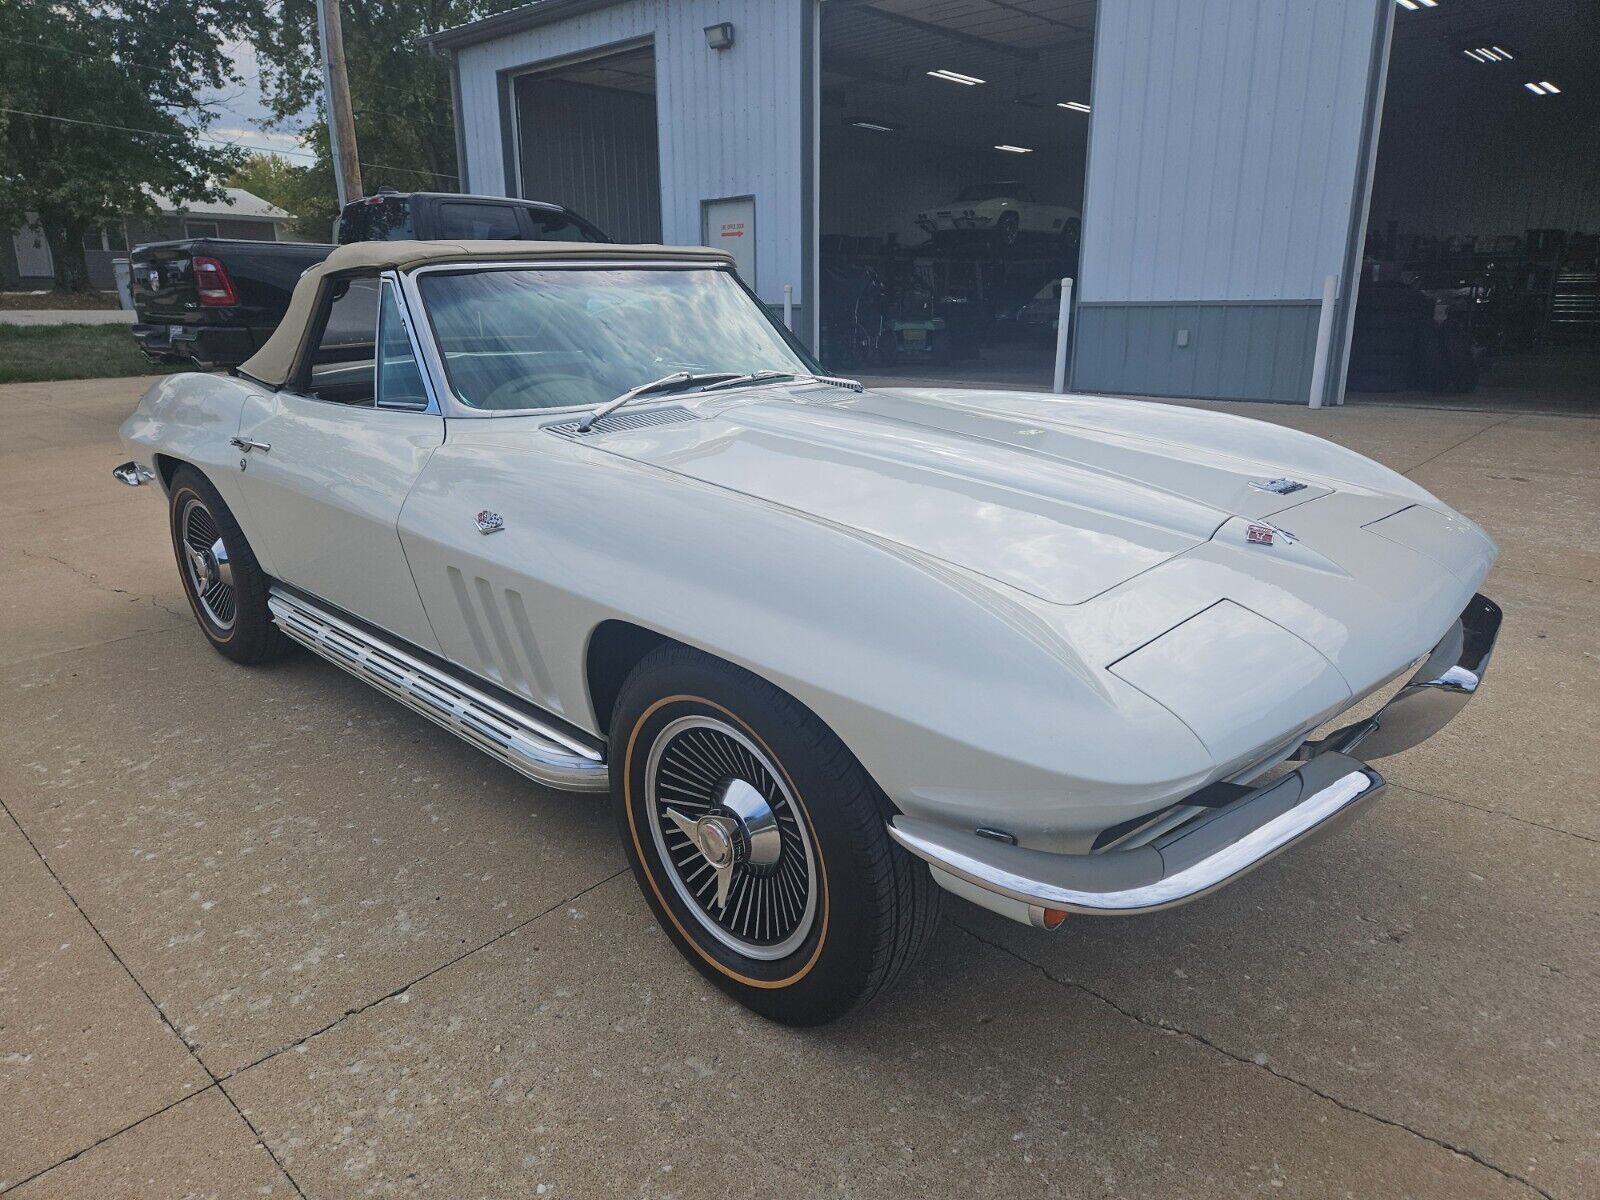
x=1481 y=281
x=586 y=137
x=953 y=140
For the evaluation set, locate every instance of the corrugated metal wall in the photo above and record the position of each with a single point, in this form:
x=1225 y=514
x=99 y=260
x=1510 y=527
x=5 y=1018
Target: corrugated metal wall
x=730 y=123
x=594 y=150
x=1223 y=167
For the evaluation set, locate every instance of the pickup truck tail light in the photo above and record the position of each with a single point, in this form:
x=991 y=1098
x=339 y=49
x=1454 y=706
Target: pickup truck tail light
x=213 y=284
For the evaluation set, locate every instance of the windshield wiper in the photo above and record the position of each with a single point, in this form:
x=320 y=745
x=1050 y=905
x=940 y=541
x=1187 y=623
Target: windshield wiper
x=709 y=381
x=678 y=379
x=769 y=376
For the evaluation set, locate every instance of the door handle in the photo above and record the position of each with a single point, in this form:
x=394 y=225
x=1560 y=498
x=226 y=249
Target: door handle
x=248 y=444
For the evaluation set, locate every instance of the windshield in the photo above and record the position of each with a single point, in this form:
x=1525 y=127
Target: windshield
x=521 y=339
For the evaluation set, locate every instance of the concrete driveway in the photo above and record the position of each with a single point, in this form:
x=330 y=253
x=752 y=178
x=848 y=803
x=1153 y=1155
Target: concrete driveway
x=263 y=932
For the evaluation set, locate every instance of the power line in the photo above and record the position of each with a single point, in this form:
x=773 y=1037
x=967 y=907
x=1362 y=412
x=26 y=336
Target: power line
x=254 y=76
x=234 y=145
x=122 y=64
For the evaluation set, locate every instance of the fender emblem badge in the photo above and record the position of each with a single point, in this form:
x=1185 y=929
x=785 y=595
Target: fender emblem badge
x=490 y=522
x=1260 y=535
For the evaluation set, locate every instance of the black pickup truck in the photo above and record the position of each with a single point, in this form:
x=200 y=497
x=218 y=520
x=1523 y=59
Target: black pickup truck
x=214 y=301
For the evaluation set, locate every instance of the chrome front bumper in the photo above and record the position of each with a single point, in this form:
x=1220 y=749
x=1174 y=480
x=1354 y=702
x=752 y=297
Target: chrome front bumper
x=1219 y=845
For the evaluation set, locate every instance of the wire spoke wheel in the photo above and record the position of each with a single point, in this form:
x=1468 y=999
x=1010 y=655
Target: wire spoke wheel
x=736 y=848
x=207 y=566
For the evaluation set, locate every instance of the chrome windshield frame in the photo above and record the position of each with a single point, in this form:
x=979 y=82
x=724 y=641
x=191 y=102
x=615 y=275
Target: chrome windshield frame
x=392 y=282
x=432 y=359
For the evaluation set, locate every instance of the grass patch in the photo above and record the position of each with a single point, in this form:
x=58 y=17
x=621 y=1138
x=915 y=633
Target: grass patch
x=35 y=301
x=36 y=353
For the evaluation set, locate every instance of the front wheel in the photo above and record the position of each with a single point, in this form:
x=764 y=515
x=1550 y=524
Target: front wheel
x=760 y=843
x=225 y=585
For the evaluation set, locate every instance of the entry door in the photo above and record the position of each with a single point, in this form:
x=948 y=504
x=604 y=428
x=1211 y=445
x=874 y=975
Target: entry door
x=334 y=457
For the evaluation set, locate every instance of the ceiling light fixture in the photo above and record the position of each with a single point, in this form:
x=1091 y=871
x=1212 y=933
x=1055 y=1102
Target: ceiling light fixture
x=1010 y=149
x=876 y=126
x=1074 y=105
x=1550 y=87
x=1536 y=88
x=1475 y=56
x=1429 y=3
x=1408 y=5
x=956 y=77
x=1502 y=52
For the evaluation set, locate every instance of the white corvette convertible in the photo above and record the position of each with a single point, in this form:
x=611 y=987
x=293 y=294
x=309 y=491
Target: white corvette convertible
x=1006 y=209
x=832 y=650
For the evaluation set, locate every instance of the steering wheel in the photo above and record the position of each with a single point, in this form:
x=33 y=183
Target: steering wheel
x=544 y=391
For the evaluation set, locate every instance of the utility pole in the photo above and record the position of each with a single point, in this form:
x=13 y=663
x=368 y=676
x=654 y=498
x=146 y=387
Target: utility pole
x=336 y=99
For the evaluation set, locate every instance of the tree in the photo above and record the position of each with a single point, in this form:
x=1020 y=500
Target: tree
x=96 y=92
x=305 y=191
x=401 y=90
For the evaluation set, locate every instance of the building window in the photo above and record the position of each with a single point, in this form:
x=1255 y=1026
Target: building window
x=199 y=229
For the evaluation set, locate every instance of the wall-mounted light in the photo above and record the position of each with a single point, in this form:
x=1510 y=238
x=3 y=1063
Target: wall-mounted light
x=1074 y=105
x=720 y=35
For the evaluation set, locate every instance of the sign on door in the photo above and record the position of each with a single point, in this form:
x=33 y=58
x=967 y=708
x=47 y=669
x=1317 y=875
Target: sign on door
x=730 y=224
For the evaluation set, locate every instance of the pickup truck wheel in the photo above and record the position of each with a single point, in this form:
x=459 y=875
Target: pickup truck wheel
x=760 y=843
x=225 y=585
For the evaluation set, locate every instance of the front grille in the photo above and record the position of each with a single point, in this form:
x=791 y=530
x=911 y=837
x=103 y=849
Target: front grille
x=672 y=414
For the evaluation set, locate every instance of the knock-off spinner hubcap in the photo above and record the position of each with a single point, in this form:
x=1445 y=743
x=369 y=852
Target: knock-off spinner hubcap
x=209 y=566
x=734 y=843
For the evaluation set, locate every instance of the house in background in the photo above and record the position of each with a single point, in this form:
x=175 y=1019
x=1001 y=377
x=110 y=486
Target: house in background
x=27 y=264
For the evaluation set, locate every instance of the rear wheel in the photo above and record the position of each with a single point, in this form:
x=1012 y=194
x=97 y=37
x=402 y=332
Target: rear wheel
x=760 y=843
x=225 y=585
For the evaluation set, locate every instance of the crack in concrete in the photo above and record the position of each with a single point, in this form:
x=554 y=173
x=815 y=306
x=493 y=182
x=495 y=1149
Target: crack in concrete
x=96 y=581
x=1494 y=812
x=1201 y=1040
x=426 y=975
x=101 y=1141
x=219 y=1082
x=1452 y=449
x=1544 y=574
x=127 y=637
x=145 y=992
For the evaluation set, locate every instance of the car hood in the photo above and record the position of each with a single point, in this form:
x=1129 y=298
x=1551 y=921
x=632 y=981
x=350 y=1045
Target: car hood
x=1062 y=498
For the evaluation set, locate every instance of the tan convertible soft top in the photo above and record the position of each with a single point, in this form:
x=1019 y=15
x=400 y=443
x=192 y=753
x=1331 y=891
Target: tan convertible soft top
x=273 y=363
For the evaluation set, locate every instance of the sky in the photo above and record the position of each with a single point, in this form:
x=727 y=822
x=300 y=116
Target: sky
x=241 y=110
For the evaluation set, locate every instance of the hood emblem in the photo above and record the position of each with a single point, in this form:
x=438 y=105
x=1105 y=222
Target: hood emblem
x=490 y=522
x=1258 y=534
x=1280 y=487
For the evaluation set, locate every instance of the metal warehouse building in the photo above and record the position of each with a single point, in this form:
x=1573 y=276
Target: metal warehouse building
x=1256 y=199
